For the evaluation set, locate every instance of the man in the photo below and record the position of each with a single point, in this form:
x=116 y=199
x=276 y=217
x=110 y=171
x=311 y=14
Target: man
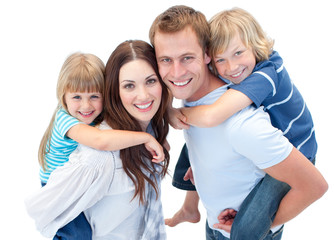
x=228 y=161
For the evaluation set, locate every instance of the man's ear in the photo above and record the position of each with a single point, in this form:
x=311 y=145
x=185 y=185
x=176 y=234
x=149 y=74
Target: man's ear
x=207 y=58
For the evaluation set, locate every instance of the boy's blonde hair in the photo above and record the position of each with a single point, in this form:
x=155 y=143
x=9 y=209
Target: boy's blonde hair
x=226 y=24
x=80 y=73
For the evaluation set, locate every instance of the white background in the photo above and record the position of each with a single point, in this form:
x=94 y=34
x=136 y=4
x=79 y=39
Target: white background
x=37 y=36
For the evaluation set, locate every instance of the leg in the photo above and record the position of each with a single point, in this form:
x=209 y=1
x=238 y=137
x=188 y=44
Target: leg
x=189 y=211
x=77 y=229
x=258 y=210
x=275 y=236
x=181 y=168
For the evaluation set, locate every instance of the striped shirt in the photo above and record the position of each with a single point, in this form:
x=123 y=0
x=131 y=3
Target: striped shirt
x=270 y=86
x=60 y=145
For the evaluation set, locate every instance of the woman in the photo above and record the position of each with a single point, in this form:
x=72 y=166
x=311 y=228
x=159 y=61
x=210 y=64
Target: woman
x=118 y=191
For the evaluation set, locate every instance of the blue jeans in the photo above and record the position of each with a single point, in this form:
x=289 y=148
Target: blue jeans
x=77 y=229
x=256 y=213
x=181 y=168
x=216 y=235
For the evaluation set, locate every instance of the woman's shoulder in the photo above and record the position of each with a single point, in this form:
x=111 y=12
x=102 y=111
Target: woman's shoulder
x=103 y=126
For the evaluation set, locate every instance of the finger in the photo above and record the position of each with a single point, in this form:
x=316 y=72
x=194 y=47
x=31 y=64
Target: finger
x=224 y=227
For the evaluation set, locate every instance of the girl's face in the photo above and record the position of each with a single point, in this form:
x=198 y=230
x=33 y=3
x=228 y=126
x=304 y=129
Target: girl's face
x=83 y=105
x=237 y=62
x=140 y=91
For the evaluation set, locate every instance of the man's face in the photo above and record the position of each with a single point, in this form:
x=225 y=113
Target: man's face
x=182 y=64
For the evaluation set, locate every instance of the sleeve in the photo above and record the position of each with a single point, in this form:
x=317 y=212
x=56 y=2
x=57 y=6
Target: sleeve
x=261 y=84
x=64 y=122
x=71 y=189
x=257 y=140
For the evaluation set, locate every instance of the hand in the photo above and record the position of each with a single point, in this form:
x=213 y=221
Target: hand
x=176 y=119
x=155 y=149
x=189 y=176
x=226 y=218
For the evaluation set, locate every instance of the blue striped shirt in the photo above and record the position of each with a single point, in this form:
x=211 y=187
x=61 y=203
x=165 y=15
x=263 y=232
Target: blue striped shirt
x=60 y=145
x=270 y=86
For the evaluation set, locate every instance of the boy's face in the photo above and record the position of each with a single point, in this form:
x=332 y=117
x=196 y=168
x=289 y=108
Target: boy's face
x=182 y=64
x=237 y=62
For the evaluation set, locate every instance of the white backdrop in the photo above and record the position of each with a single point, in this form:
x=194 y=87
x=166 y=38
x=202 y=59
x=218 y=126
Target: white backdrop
x=37 y=36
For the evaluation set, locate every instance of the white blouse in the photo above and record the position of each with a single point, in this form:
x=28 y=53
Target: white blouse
x=94 y=181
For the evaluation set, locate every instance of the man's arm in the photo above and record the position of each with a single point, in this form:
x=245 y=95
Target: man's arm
x=306 y=182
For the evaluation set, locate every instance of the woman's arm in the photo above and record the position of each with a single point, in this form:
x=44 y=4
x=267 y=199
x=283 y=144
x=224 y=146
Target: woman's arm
x=212 y=115
x=111 y=140
x=306 y=182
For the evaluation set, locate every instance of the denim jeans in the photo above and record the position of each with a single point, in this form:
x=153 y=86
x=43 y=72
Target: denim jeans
x=181 y=168
x=258 y=210
x=77 y=229
x=256 y=213
x=216 y=235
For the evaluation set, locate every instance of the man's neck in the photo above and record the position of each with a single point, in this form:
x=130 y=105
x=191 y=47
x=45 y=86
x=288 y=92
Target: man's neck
x=210 y=84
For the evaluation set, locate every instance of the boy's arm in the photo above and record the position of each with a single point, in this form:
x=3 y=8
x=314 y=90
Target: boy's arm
x=306 y=182
x=111 y=139
x=176 y=119
x=231 y=102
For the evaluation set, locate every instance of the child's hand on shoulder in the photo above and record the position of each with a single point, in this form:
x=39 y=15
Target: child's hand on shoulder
x=157 y=151
x=176 y=119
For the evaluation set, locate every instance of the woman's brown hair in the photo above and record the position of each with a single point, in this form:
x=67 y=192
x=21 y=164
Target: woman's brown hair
x=134 y=159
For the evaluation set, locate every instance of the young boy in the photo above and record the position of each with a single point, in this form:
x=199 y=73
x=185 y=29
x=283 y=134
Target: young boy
x=242 y=55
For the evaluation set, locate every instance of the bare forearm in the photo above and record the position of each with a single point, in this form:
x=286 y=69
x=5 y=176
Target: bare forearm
x=111 y=140
x=292 y=205
x=307 y=185
x=199 y=116
x=214 y=114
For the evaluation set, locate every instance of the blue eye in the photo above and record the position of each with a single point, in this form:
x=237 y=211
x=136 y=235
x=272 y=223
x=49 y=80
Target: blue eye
x=95 y=96
x=76 y=97
x=165 y=60
x=187 y=58
x=238 y=53
x=220 y=60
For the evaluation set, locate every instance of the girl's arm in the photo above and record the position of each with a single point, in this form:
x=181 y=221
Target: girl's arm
x=111 y=140
x=231 y=102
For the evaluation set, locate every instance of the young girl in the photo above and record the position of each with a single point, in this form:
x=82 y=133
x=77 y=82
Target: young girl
x=79 y=91
x=242 y=54
x=118 y=191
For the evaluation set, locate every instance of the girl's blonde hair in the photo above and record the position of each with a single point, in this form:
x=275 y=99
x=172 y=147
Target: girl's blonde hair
x=81 y=72
x=226 y=24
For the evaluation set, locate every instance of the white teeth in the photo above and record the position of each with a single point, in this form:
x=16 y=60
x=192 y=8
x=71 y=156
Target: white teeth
x=143 y=106
x=237 y=75
x=86 y=114
x=181 y=83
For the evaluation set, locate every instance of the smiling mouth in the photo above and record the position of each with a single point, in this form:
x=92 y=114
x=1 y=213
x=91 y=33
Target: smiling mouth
x=237 y=74
x=181 y=84
x=144 y=106
x=86 y=114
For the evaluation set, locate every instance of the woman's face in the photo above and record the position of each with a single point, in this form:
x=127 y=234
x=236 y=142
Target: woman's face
x=140 y=91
